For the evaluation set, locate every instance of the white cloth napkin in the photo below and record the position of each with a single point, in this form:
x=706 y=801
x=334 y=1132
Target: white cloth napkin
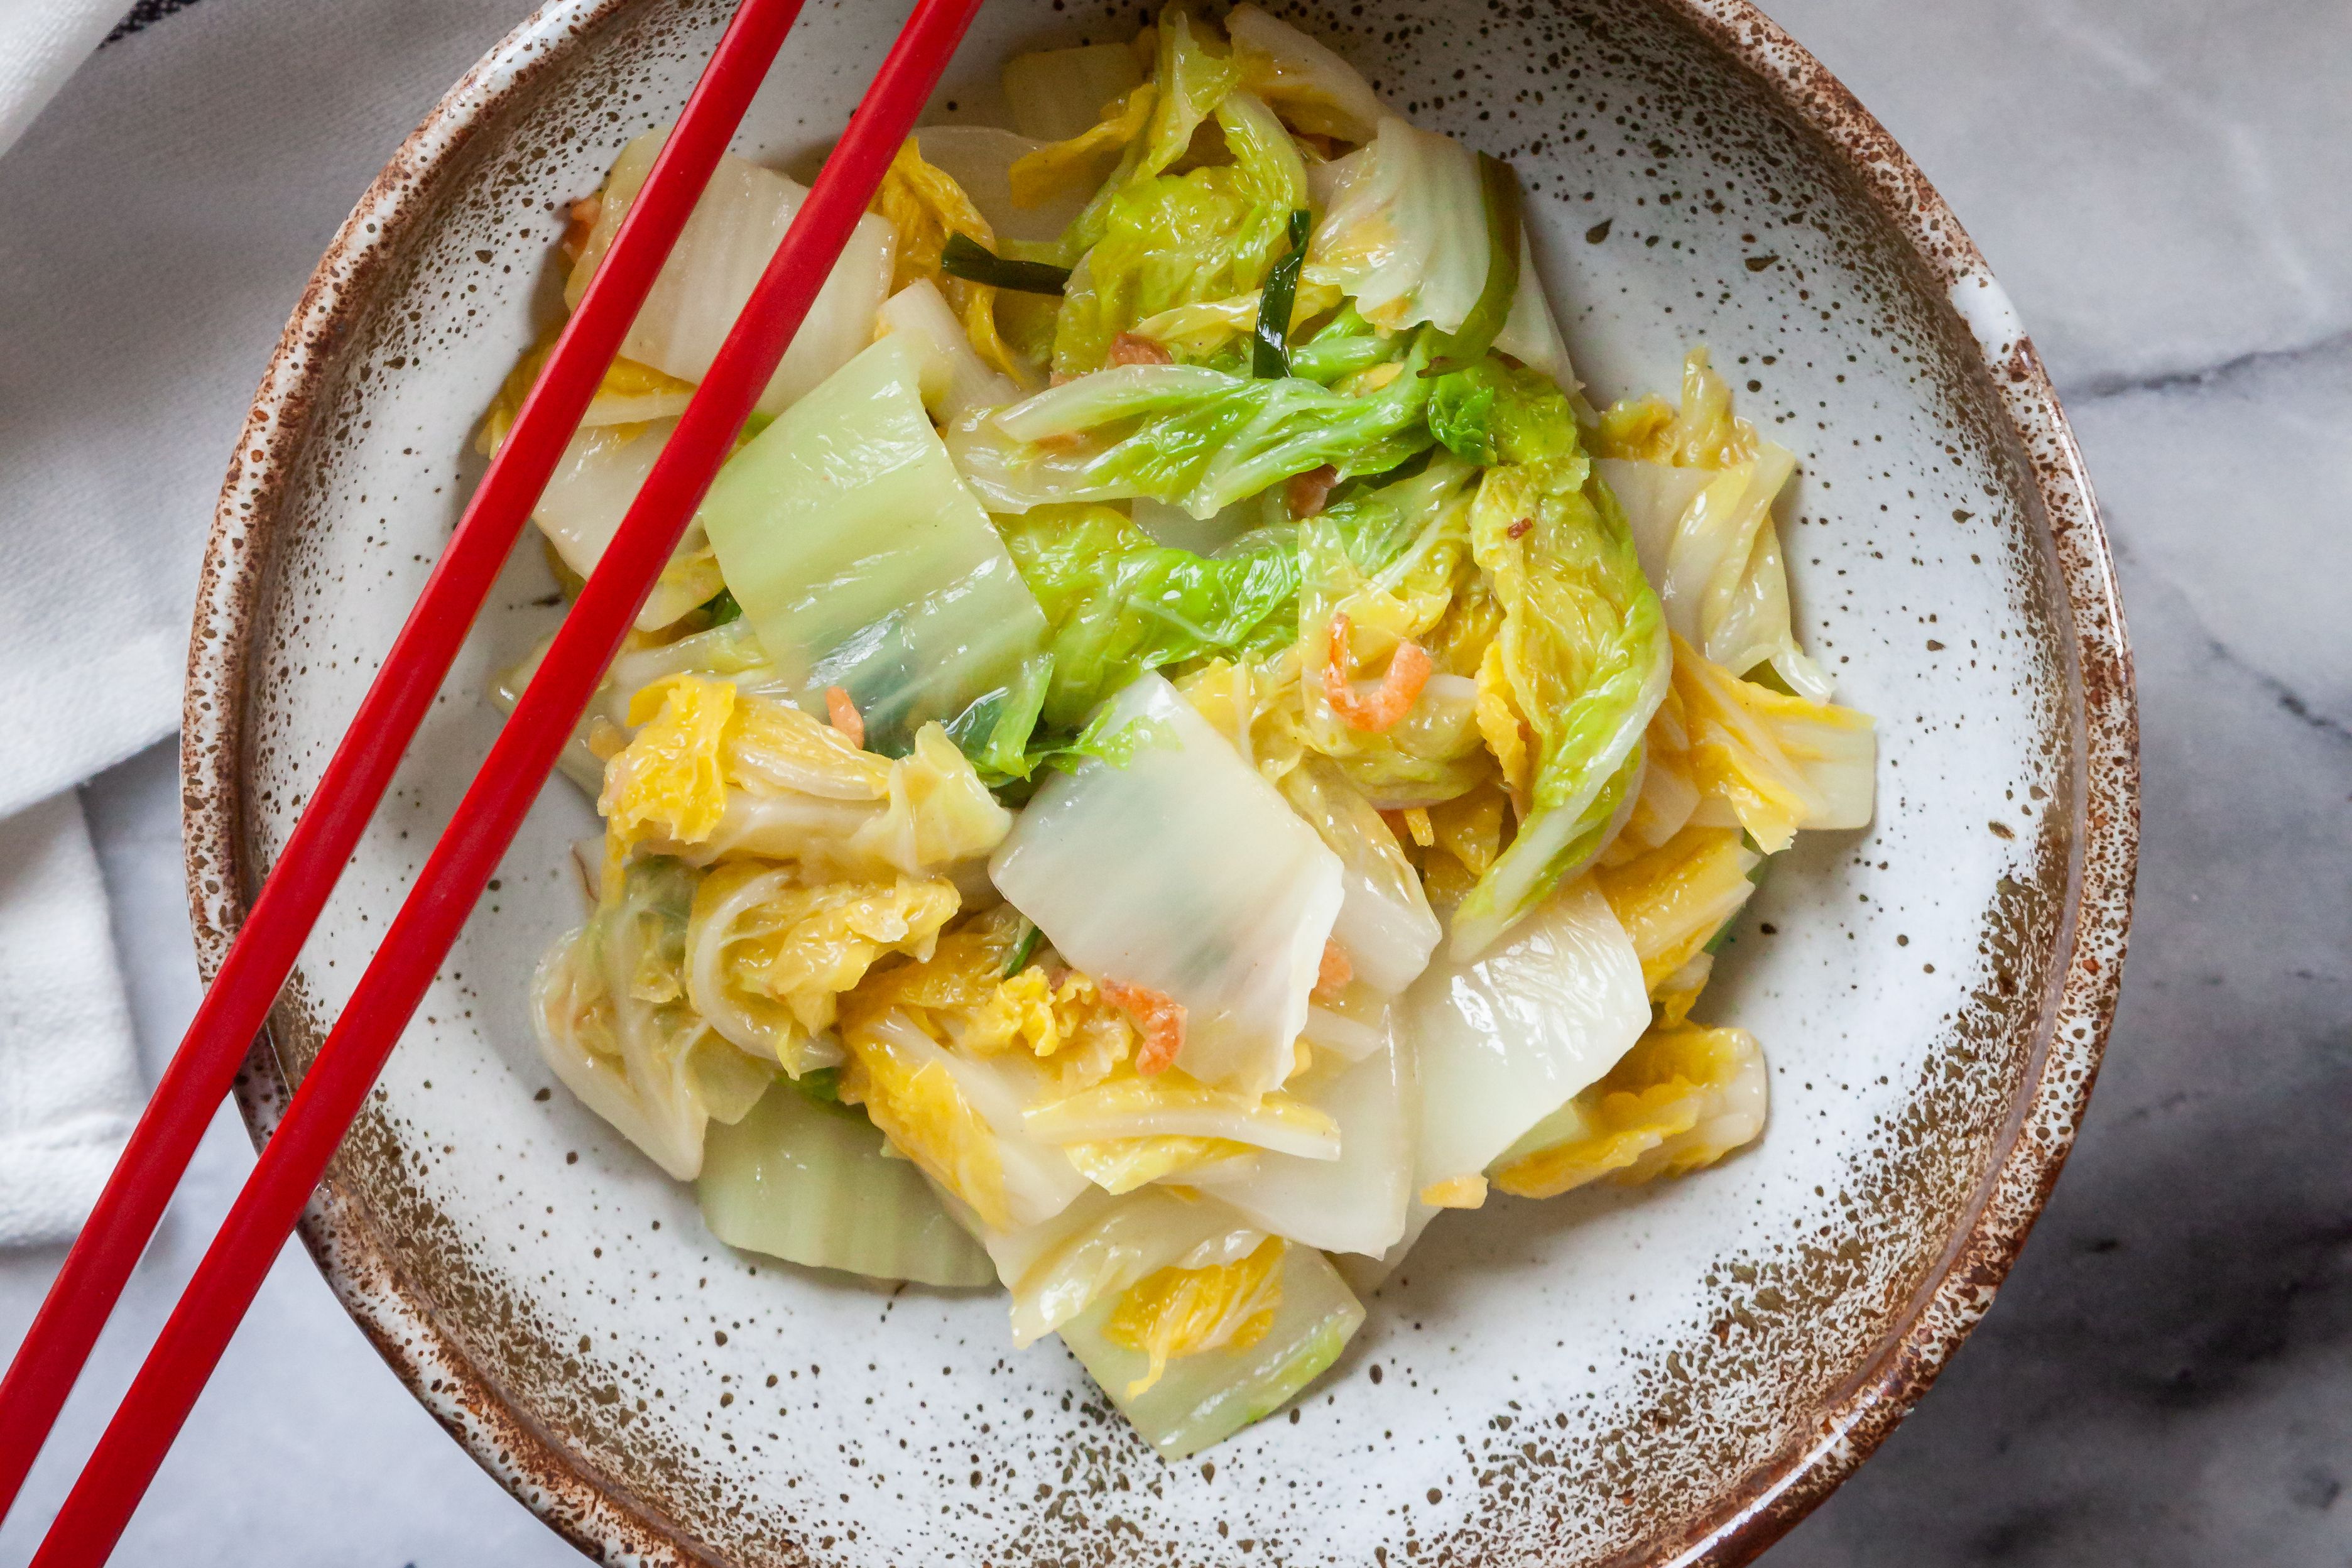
x=42 y=42
x=69 y=1090
x=158 y=219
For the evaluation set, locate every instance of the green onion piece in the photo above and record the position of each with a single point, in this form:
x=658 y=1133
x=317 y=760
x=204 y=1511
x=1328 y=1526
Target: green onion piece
x=822 y=1085
x=1270 y=355
x=722 y=608
x=977 y=264
x=1500 y=188
x=1023 y=949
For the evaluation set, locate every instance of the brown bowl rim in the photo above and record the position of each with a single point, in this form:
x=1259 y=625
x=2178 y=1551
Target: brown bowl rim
x=534 y=1465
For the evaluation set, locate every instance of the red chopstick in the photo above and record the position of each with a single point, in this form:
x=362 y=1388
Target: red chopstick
x=237 y=1004
x=420 y=936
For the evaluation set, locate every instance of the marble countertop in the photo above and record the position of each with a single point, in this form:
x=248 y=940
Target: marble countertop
x=2161 y=185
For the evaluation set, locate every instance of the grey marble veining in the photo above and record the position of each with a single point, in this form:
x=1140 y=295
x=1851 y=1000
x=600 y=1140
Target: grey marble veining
x=2161 y=185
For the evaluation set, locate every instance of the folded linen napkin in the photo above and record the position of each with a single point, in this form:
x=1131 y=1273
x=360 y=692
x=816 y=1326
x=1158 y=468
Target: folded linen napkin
x=42 y=42
x=68 y=1089
x=162 y=213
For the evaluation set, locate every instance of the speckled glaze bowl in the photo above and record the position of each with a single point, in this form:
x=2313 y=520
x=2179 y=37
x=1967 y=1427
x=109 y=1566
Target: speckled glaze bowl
x=1671 y=1373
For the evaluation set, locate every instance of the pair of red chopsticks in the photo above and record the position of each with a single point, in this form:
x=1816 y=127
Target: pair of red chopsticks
x=236 y=1007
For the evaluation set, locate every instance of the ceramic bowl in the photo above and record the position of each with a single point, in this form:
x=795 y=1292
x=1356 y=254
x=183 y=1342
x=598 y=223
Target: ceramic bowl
x=1674 y=1373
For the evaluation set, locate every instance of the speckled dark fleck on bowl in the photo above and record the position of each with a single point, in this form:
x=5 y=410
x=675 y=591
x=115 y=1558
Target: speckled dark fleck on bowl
x=1671 y=1373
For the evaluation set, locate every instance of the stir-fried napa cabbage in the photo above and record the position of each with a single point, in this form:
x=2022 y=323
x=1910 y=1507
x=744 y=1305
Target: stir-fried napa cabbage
x=1206 y=1396
x=1188 y=435
x=1672 y=901
x=1310 y=87
x=1172 y=239
x=1057 y=94
x=613 y=1021
x=769 y=954
x=1386 y=928
x=714 y=772
x=1116 y=605
x=1405 y=236
x=815 y=1183
x=1682 y=1098
x=1507 y=1038
x=862 y=563
x=1358 y=1202
x=711 y=271
x=1179 y=730
x=1100 y=1245
x=1581 y=658
x=1223 y=899
x=1765 y=761
x=1055 y=1063
x=1397 y=564
x=926 y=208
x=1697 y=485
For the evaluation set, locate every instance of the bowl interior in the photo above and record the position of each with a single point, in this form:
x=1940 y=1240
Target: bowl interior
x=1605 y=1374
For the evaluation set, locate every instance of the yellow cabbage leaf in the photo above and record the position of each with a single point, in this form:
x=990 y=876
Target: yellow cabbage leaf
x=1683 y=1097
x=1673 y=899
x=1082 y=161
x=1768 y=761
x=610 y=1008
x=714 y=772
x=768 y=955
x=1183 y=1312
x=925 y=207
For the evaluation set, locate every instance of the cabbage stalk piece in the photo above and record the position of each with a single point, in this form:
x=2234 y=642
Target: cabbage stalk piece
x=719 y=255
x=1582 y=658
x=1404 y=235
x=980 y=159
x=609 y=1007
x=954 y=379
x=1509 y=1037
x=956 y=1117
x=861 y=561
x=1767 y=762
x=1385 y=926
x=1356 y=1202
x=811 y=1185
x=1683 y=1097
x=1203 y=1399
x=592 y=487
x=1118 y=604
x=1672 y=901
x=1100 y=1245
x=1698 y=487
x=1312 y=88
x=1220 y=898
x=1057 y=94
x=1186 y=435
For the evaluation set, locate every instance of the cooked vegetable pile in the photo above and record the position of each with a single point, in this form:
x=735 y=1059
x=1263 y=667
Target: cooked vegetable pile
x=1179 y=746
